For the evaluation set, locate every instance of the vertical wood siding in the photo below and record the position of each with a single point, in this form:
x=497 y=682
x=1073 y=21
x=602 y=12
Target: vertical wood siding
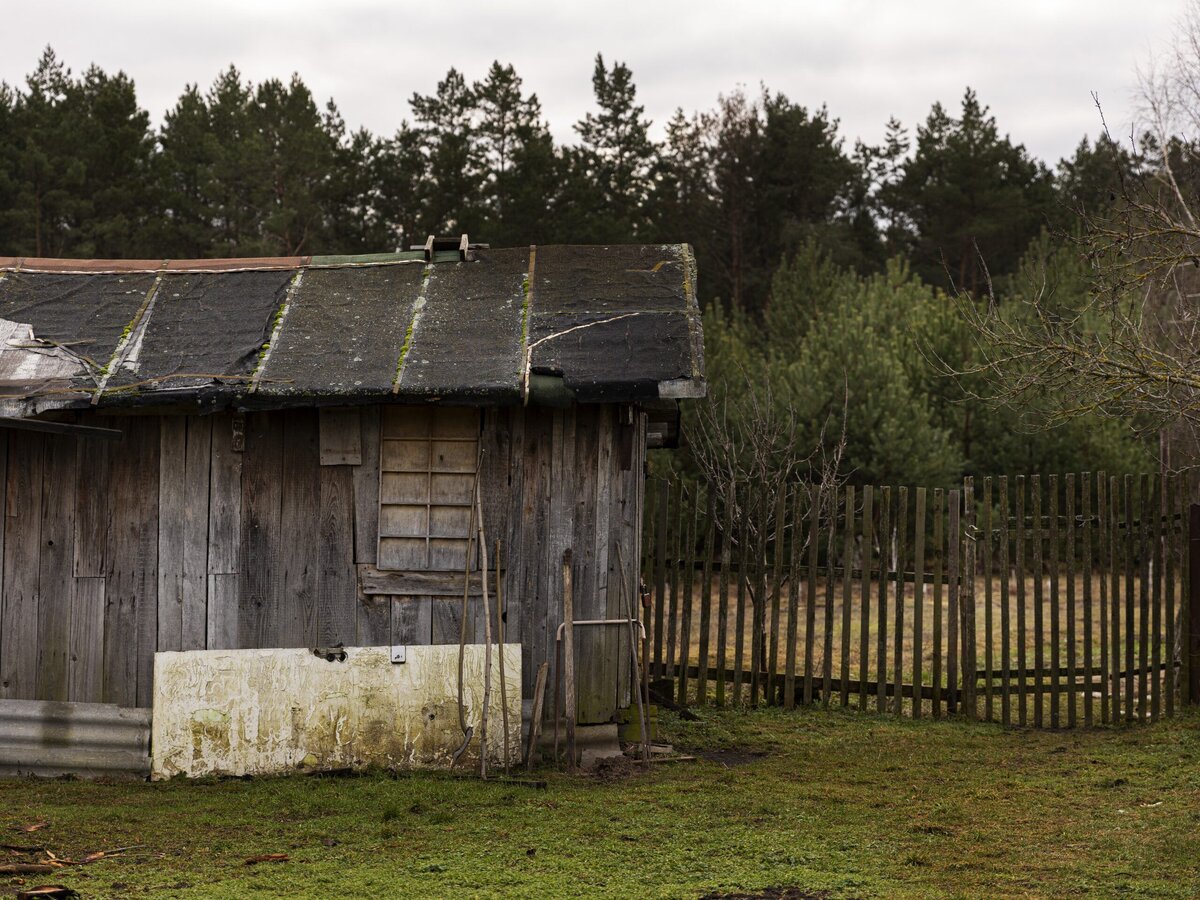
x=172 y=540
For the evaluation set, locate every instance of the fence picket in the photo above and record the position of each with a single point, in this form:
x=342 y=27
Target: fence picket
x=758 y=641
x=901 y=527
x=781 y=507
x=1115 y=487
x=885 y=561
x=687 y=600
x=679 y=543
x=793 y=611
x=967 y=602
x=1022 y=658
x=1055 y=614
x=1143 y=628
x=1069 y=570
x=723 y=596
x=810 y=597
x=866 y=567
x=739 y=614
x=710 y=533
x=1102 y=537
x=954 y=542
x=1005 y=614
x=918 y=601
x=1170 y=492
x=1115 y=641
x=847 y=597
x=1085 y=511
x=831 y=545
x=1039 y=652
x=1156 y=586
x=939 y=507
x=1130 y=600
x=988 y=661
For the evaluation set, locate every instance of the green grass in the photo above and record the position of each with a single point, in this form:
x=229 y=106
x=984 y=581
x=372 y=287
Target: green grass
x=853 y=804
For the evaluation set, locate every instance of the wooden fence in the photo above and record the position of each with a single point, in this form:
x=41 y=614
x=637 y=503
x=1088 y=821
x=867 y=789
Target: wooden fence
x=1027 y=600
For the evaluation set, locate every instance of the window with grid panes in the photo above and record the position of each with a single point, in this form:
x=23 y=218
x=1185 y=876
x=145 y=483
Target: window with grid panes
x=427 y=466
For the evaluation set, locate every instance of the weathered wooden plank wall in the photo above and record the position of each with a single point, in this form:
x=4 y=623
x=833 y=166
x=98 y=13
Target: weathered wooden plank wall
x=179 y=538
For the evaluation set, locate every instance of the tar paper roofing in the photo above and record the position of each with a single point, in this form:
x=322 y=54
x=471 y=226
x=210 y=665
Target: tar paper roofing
x=615 y=323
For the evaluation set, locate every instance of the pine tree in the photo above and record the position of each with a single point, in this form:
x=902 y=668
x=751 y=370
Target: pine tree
x=518 y=159
x=612 y=165
x=454 y=164
x=968 y=198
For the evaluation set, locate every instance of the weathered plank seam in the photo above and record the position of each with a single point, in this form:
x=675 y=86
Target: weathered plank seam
x=133 y=331
x=280 y=316
x=418 y=308
x=526 y=310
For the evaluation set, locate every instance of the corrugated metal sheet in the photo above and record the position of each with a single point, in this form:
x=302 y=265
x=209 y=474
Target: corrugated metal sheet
x=610 y=323
x=91 y=740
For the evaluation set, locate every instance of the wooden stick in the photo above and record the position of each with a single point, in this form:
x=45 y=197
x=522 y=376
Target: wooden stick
x=568 y=653
x=535 y=721
x=637 y=676
x=558 y=682
x=487 y=638
x=500 y=645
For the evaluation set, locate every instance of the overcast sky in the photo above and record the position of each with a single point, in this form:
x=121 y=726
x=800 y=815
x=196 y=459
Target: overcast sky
x=1034 y=62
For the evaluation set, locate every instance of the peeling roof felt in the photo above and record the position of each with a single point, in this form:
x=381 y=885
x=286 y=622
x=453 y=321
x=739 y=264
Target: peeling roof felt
x=616 y=323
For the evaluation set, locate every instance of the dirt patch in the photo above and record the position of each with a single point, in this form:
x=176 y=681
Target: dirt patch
x=730 y=757
x=771 y=893
x=616 y=768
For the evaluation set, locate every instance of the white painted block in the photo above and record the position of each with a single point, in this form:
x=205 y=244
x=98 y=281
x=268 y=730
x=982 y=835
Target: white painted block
x=262 y=712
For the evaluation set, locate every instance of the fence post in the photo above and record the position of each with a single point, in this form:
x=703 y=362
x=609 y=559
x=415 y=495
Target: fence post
x=1193 y=607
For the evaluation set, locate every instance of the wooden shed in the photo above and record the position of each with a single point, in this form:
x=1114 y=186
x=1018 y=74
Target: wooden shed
x=298 y=442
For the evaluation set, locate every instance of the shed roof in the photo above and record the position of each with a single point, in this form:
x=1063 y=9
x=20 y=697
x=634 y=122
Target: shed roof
x=615 y=323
